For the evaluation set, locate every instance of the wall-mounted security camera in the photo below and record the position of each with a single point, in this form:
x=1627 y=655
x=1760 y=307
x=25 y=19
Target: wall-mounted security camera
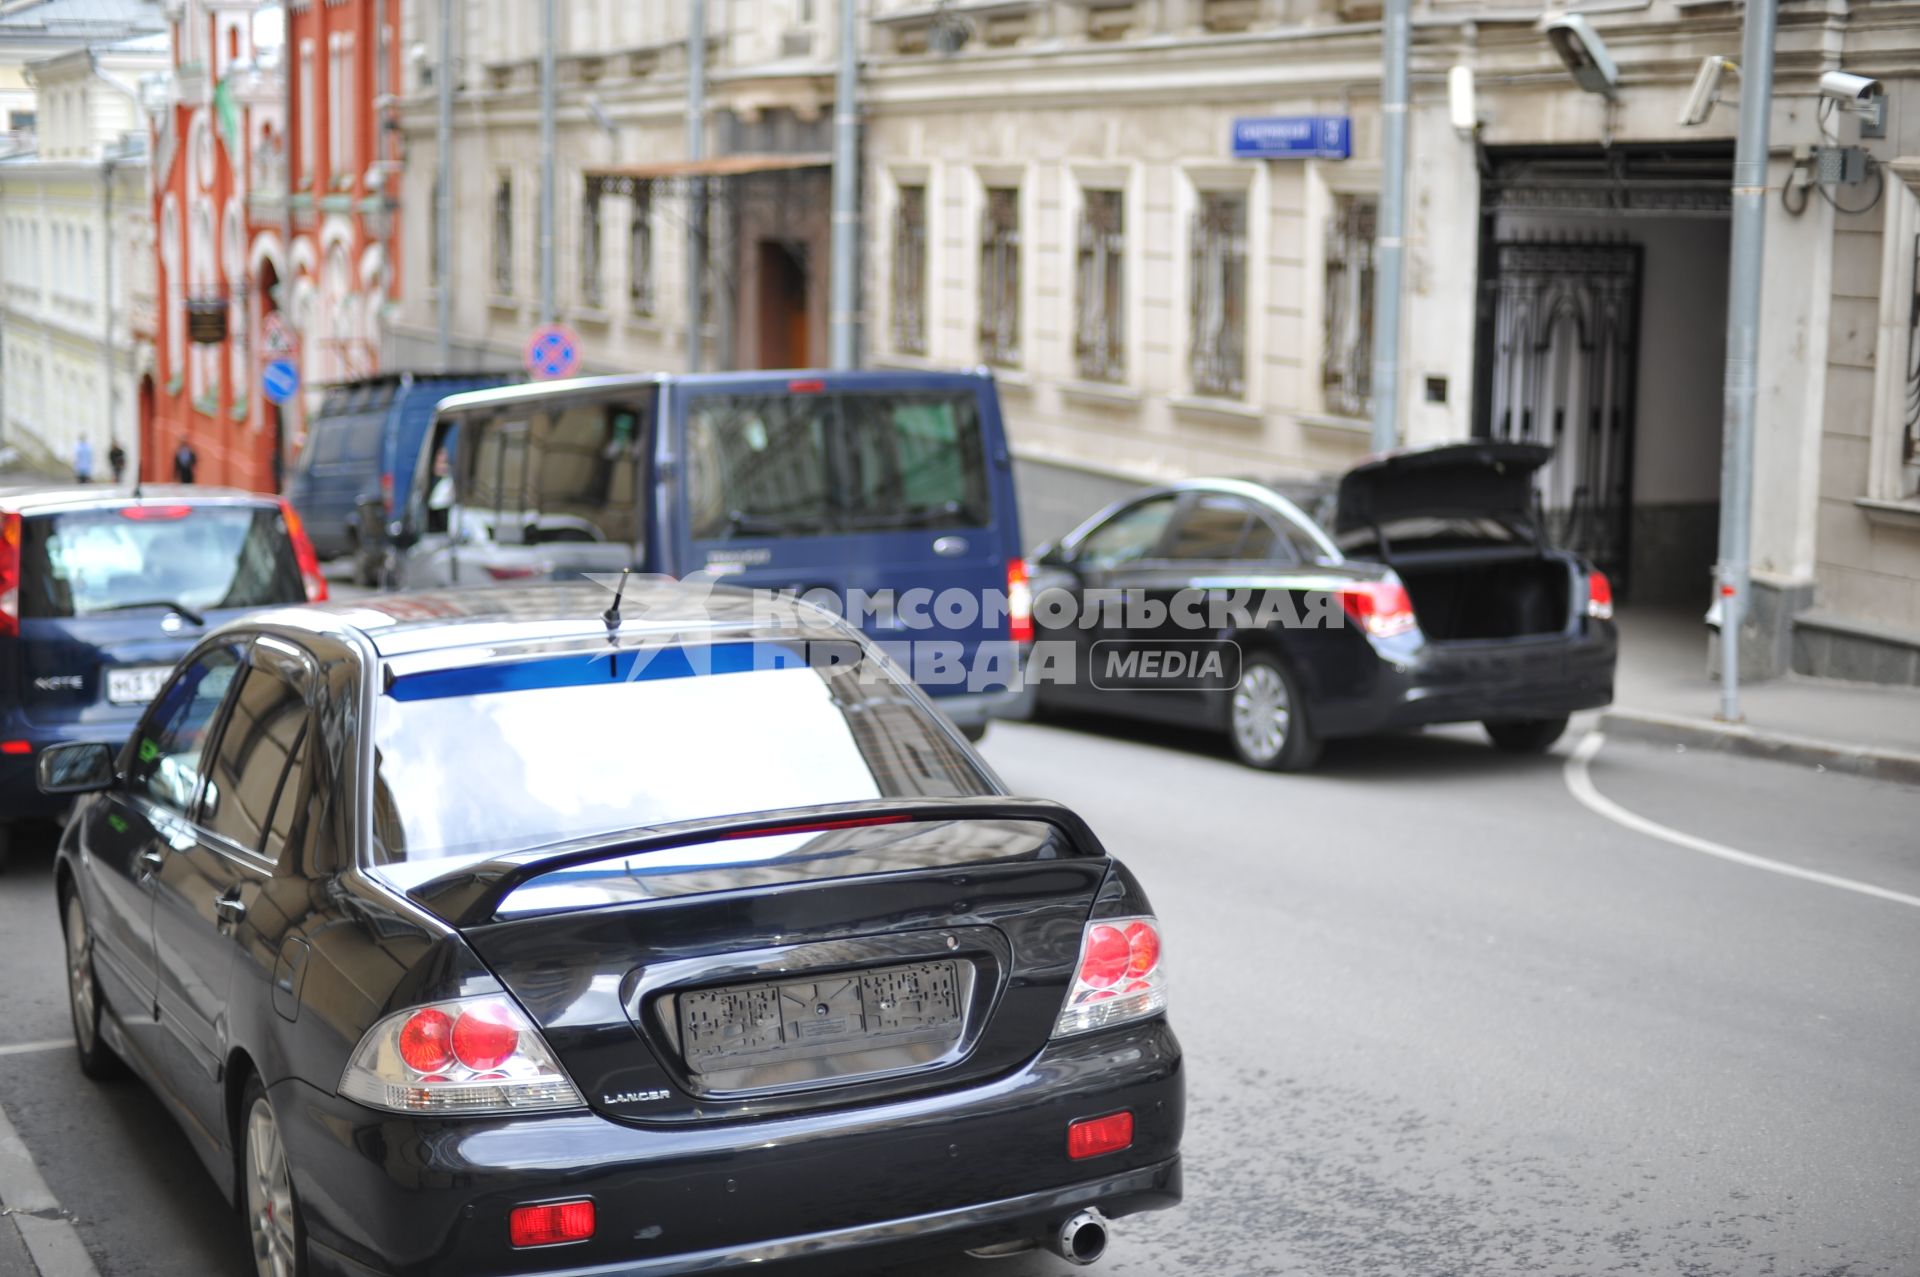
x=1463 y=107
x=1705 y=94
x=1583 y=51
x=1854 y=92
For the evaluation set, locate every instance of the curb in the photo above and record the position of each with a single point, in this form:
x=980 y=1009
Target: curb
x=1872 y=762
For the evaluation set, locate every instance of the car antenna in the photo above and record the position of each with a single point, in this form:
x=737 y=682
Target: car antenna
x=612 y=615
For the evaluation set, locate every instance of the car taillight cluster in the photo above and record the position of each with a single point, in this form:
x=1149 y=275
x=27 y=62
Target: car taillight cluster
x=1599 y=596
x=1120 y=976
x=9 y=574
x=1019 y=602
x=1381 y=608
x=475 y=1055
x=303 y=555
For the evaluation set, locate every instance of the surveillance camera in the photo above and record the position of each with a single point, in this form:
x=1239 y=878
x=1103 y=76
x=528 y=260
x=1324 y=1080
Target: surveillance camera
x=1462 y=109
x=1583 y=51
x=1706 y=90
x=1849 y=90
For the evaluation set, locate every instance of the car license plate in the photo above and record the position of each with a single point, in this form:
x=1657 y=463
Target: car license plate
x=805 y=1019
x=137 y=684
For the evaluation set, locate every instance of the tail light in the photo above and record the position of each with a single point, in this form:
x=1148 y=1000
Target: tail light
x=1599 y=597
x=1019 y=602
x=1381 y=608
x=1097 y=1136
x=155 y=513
x=9 y=574
x=303 y=555
x=1120 y=976
x=474 y=1055
x=551 y=1224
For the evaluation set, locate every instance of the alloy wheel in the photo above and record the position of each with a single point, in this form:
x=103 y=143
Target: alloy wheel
x=1262 y=713
x=80 y=989
x=269 y=1195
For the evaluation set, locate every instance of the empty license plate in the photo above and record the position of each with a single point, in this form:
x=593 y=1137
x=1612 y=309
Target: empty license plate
x=807 y=1018
x=136 y=685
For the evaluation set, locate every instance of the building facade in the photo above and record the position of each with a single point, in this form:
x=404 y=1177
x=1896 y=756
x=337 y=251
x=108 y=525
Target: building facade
x=1051 y=189
x=76 y=279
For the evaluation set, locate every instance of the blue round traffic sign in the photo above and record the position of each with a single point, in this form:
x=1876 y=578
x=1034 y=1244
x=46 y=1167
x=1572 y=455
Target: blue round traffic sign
x=553 y=351
x=279 y=381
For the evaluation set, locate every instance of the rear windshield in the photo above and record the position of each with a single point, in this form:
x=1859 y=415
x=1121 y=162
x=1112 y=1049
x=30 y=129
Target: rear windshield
x=802 y=465
x=122 y=558
x=488 y=759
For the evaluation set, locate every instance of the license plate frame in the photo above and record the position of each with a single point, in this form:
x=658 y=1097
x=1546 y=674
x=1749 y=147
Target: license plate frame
x=136 y=684
x=877 y=1012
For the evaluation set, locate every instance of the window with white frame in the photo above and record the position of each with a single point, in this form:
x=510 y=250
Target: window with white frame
x=1099 y=330
x=591 y=294
x=503 y=236
x=1000 y=277
x=640 y=248
x=1217 y=355
x=909 y=314
x=1346 y=352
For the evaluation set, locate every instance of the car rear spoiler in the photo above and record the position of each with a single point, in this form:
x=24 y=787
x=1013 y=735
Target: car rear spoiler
x=472 y=895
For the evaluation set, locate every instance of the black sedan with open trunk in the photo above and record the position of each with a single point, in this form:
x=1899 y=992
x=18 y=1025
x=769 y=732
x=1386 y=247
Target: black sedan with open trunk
x=1435 y=598
x=504 y=932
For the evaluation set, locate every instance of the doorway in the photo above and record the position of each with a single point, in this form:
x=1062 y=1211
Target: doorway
x=782 y=307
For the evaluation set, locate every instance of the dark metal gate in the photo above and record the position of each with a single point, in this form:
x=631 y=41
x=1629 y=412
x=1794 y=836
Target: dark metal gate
x=1562 y=329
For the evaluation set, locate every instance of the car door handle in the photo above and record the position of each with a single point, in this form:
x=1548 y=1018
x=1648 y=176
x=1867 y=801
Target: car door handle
x=230 y=908
x=149 y=862
x=950 y=547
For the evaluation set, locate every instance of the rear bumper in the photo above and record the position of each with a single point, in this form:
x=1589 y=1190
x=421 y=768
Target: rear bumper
x=398 y=1197
x=1478 y=681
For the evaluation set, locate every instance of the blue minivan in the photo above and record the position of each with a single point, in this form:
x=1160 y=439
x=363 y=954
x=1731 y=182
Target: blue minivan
x=887 y=496
x=363 y=444
x=104 y=588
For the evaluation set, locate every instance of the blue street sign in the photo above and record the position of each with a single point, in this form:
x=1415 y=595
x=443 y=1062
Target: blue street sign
x=553 y=351
x=279 y=381
x=1293 y=137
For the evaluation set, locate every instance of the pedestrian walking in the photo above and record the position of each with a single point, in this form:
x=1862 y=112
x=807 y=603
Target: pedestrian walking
x=117 y=461
x=184 y=460
x=82 y=460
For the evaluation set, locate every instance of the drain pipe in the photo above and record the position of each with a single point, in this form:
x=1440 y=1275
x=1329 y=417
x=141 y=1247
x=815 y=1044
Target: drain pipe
x=1397 y=37
x=548 y=22
x=844 y=340
x=1748 y=256
x=696 y=185
x=443 y=207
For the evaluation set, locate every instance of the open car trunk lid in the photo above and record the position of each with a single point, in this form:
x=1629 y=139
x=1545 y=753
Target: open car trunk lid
x=1481 y=479
x=809 y=959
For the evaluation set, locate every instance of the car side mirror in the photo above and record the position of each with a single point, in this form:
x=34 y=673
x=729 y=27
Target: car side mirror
x=1051 y=555
x=79 y=767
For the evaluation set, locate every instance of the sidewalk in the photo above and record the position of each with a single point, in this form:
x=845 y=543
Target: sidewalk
x=1662 y=693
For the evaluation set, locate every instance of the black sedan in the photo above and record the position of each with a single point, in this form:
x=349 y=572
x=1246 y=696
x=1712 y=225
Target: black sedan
x=491 y=933
x=1216 y=603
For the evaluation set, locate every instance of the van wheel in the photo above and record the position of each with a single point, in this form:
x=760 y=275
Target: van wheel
x=1267 y=720
x=1525 y=735
x=975 y=732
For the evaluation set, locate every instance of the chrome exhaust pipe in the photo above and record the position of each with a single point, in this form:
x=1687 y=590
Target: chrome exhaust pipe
x=1080 y=1239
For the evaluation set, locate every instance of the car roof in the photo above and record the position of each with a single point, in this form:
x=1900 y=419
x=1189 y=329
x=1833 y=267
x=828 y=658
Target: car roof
x=44 y=497
x=490 y=618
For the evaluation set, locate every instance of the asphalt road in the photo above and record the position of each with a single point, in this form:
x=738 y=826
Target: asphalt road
x=1440 y=1017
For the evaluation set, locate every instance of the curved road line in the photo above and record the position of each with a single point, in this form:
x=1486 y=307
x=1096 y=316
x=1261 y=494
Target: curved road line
x=1580 y=784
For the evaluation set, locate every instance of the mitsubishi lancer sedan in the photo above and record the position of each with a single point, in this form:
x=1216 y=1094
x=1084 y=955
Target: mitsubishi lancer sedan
x=545 y=930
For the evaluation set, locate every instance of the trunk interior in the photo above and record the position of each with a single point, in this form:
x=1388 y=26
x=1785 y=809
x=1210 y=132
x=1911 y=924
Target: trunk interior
x=1472 y=598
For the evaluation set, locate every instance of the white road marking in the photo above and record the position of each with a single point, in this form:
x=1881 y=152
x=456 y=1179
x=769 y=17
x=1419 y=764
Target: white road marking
x=1580 y=784
x=50 y=1236
x=29 y=1048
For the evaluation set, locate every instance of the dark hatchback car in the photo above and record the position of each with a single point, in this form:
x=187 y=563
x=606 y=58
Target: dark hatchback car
x=1437 y=599
x=483 y=933
x=103 y=588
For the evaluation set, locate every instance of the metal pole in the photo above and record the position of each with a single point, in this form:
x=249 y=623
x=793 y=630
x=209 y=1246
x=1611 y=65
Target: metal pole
x=696 y=186
x=443 y=208
x=1396 y=38
x=1743 y=341
x=548 y=22
x=844 y=338
x=106 y=299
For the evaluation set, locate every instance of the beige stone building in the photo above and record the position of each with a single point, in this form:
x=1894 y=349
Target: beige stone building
x=1050 y=188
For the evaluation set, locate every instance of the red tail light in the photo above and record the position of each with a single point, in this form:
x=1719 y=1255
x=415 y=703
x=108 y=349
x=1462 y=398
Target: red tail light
x=303 y=555
x=426 y=1041
x=1094 y=1136
x=552 y=1224
x=16 y=747
x=484 y=1038
x=1599 y=597
x=9 y=574
x=1019 y=602
x=1381 y=608
x=1119 y=978
x=520 y=573
x=806 y=386
x=155 y=513
x=386 y=488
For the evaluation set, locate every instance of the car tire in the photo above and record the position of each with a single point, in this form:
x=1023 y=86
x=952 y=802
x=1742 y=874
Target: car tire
x=6 y=845
x=1267 y=721
x=97 y=1059
x=274 y=1227
x=1525 y=735
x=975 y=732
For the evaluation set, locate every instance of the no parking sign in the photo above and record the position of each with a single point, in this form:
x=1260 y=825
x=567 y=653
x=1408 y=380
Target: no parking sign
x=552 y=352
